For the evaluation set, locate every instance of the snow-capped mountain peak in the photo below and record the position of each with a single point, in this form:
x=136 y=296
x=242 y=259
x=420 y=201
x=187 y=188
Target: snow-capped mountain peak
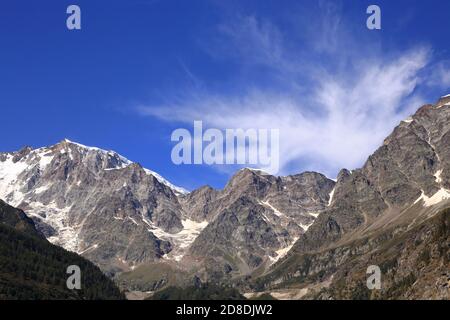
x=124 y=162
x=443 y=101
x=69 y=189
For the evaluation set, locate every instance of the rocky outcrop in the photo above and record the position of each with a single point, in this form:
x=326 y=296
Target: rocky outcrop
x=254 y=221
x=93 y=202
x=121 y=215
x=260 y=231
x=387 y=213
x=412 y=164
x=413 y=263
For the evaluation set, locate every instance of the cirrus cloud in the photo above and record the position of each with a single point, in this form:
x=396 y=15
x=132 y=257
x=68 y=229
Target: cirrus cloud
x=333 y=108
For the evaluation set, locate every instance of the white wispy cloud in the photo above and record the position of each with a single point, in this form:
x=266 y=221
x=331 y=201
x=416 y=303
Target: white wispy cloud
x=439 y=75
x=330 y=115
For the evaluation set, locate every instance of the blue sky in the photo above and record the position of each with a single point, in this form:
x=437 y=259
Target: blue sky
x=139 y=69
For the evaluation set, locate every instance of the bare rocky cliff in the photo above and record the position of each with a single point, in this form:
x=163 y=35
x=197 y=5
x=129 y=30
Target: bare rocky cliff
x=391 y=213
x=304 y=232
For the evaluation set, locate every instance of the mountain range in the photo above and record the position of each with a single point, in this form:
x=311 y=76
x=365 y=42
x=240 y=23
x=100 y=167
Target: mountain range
x=299 y=236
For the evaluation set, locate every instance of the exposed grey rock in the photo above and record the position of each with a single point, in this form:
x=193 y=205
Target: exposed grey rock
x=253 y=220
x=121 y=215
x=199 y=204
x=93 y=202
x=376 y=216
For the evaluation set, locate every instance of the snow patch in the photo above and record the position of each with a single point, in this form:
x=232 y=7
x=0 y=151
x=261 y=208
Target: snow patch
x=178 y=190
x=314 y=214
x=306 y=226
x=134 y=221
x=9 y=172
x=438 y=176
x=275 y=210
x=191 y=230
x=57 y=218
x=125 y=163
x=283 y=251
x=438 y=197
x=331 y=195
x=262 y=172
x=265 y=218
x=181 y=240
x=44 y=161
x=95 y=246
x=409 y=120
x=40 y=190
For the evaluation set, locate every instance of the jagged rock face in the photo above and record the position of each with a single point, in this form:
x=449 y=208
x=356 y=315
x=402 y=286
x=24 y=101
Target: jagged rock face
x=302 y=196
x=120 y=215
x=413 y=263
x=404 y=183
x=199 y=204
x=254 y=220
x=388 y=213
x=93 y=202
x=240 y=236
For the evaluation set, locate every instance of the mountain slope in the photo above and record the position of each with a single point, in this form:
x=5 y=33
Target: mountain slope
x=414 y=265
x=260 y=232
x=251 y=223
x=246 y=227
x=93 y=202
x=412 y=166
x=413 y=262
x=32 y=268
x=120 y=215
x=395 y=196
